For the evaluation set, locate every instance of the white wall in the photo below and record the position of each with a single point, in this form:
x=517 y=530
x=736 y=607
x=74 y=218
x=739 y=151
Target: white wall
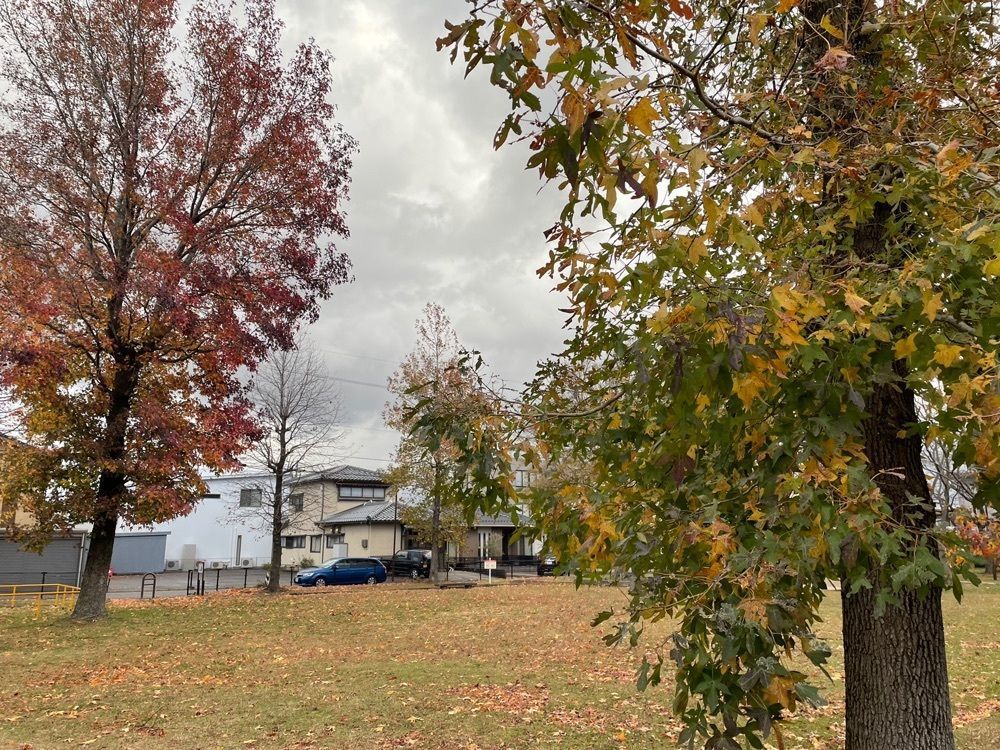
x=215 y=525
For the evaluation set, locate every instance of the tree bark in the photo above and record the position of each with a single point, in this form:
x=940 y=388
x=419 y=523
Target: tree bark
x=91 y=603
x=437 y=558
x=895 y=669
x=274 y=579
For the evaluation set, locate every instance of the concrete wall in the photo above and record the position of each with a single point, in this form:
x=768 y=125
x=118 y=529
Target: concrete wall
x=217 y=527
x=379 y=539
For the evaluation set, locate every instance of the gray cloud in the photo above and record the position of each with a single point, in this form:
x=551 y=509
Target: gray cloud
x=435 y=213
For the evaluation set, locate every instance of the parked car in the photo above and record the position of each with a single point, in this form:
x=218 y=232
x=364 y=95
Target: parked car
x=343 y=570
x=547 y=565
x=413 y=563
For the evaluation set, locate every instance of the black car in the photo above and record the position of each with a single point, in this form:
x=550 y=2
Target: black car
x=547 y=565
x=413 y=563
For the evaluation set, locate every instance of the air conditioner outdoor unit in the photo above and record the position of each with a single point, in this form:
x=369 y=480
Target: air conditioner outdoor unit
x=173 y=565
x=219 y=564
x=246 y=562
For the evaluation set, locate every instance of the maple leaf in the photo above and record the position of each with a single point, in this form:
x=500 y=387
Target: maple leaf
x=643 y=115
x=835 y=58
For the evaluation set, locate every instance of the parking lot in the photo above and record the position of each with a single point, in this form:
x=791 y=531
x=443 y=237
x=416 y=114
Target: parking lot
x=183 y=583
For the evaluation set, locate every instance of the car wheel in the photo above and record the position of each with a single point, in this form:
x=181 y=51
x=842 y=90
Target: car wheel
x=321 y=582
x=372 y=580
x=414 y=574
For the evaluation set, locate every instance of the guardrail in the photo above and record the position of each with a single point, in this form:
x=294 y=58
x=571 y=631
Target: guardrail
x=57 y=594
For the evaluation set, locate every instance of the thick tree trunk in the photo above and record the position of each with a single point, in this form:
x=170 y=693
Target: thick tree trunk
x=274 y=579
x=895 y=668
x=91 y=602
x=111 y=487
x=897 y=679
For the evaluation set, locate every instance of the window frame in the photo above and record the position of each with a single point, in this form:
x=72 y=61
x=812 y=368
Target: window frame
x=296 y=506
x=315 y=543
x=293 y=538
x=255 y=497
x=360 y=492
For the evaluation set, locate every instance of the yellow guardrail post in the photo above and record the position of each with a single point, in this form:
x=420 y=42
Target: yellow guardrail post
x=61 y=595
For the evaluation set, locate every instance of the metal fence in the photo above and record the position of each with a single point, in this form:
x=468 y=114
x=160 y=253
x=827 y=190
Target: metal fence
x=67 y=577
x=507 y=566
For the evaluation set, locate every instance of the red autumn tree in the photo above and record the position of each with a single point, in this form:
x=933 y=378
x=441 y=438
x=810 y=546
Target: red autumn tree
x=167 y=203
x=982 y=534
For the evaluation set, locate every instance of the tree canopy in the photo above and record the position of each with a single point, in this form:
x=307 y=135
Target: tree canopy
x=167 y=203
x=780 y=232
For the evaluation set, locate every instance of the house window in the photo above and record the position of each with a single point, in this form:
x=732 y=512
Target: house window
x=294 y=542
x=349 y=492
x=334 y=539
x=316 y=543
x=522 y=478
x=296 y=502
x=250 y=498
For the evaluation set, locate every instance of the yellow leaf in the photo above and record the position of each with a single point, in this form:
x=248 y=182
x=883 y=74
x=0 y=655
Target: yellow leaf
x=697 y=158
x=643 y=115
x=789 y=334
x=757 y=22
x=814 y=307
x=785 y=297
x=703 y=401
x=947 y=354
x=827 y=25
x=786 y=5
x=932 y=303
x=615 y=422
x=747 y=387
x=697 y=251
x=781 y=691
x=905 y=347
x=856 y=303
x=992 y=268
x=753 y=215
x=978 y=232
x=754 y=610
x=603 y=94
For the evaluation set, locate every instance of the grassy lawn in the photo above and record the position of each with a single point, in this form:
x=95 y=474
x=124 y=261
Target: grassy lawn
x=390 y=667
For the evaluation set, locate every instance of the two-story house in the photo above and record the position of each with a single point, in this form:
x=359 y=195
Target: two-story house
x=342 y=511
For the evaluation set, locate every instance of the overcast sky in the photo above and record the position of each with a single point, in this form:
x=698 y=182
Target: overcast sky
x=436 y=215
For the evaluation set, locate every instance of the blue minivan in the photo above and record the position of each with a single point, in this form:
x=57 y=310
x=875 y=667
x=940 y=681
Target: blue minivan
x=343 y=570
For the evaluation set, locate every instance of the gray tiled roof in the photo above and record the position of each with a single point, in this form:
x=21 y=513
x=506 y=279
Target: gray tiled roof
x=380 y=512
x=500 y=520
x=345 y=473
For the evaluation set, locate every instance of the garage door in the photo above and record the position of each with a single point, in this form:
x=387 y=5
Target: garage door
x=59 y=561
x=139 y=553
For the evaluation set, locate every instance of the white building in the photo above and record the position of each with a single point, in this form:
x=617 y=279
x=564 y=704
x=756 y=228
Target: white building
x=216 y=531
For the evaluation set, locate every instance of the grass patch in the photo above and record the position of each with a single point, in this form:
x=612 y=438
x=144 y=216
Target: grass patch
x=391 y=667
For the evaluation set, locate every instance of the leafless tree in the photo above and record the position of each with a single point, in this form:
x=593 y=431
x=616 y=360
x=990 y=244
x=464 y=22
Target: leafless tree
x=952 y=485
x=299 y=411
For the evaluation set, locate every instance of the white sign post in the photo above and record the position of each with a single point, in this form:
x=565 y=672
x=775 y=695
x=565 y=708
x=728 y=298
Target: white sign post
x=489 y=565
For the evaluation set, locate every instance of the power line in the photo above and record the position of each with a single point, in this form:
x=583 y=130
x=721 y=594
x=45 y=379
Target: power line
x=355 y=356
x=362 y=458
x=366 y=383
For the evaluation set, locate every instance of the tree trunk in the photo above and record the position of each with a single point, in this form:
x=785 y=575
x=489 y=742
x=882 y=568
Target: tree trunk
x=437 y=559
x=91 y=603
x=895 y=669
x=274 y=579
x=897 y=679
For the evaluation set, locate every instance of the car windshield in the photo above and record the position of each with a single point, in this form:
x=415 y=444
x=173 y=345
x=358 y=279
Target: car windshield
x=329 y=565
